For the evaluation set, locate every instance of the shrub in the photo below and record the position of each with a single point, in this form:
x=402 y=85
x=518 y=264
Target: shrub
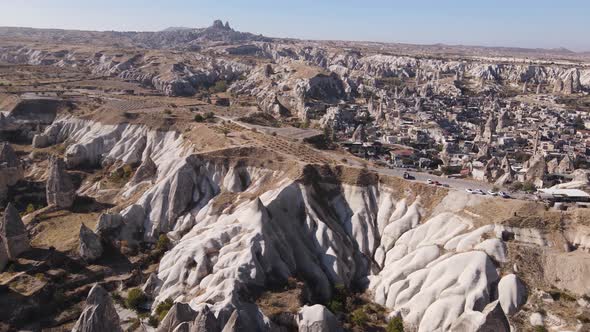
x=135 y=298
x=163 y=308
x=199 y=118
x=219 y=86
x=540 y=329
x=209 y=115
x=396 y=324
x=336 y=306
x=163 y=242
x=359 y=317
x=529 y=187
x=153 y=321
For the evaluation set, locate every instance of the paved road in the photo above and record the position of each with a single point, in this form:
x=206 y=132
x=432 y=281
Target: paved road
x=423 y=177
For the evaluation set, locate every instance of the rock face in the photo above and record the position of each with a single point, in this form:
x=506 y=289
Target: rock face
x=152 y=285
x=317 y=318
x=90 y=248
x=99 y=315
x=13 y=233
x=359 y=134
x=146 y=171
x=11 y=170
x=60 y=189
x=178 y=314
x=491 y=319
x=3 y=255
x=511 y=293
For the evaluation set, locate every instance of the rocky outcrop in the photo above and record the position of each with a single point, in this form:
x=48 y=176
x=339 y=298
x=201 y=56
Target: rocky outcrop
x=512 y=293
x=491 y=319
x=99 y=314
x=317 y=318
x=90 y=247
x=146 y=171
x=178 y=314
x=11 y=169
x=60 y=189
x=13 y=234
x=152 y=285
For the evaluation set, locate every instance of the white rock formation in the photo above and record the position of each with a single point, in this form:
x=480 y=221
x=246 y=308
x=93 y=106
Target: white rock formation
x=99 y=313
x=430 y=271
x=90 y=247
x=317 y=318
x=512 y=293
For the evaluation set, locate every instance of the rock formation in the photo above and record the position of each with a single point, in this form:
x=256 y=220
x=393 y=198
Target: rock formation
x=152 y=285
x=13 y=233
x=60 y=189
x=566 y=165
x=491 y=319
x=511 y=293
x=99 y=314
x=317 y=318
x=90 y=247
x=4 y=259
x=178 y=314
x=359 y=134
x=536 y=170
x=11 y=170
x=146 y=171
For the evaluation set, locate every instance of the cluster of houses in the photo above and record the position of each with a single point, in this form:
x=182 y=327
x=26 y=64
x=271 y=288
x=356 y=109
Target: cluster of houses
x=492 y=139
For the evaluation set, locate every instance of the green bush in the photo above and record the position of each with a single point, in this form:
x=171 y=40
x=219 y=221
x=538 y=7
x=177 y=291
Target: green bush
x=153 y=321
x=396 y=324
x=359 y=317
x=30 y=208
x=135 y=298
x=199 y=118
x=528 y=187
x=163 y=242
x=336 y=306
x=163 y=308
x=219 y=86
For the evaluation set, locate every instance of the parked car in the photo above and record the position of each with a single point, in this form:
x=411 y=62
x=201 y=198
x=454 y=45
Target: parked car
x=503 y=194
x=408 y=176
x=479 y=191
x=469 y=190
x=492 y=193
x=429 y=181
x=436 y=183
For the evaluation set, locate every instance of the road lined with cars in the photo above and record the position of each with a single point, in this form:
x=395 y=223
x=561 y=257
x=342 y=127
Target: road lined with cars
x=470 y=186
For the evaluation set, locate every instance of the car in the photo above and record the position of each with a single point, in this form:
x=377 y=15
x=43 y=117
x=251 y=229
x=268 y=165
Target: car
x=429 y=181
x=492 y=193
x=479 y=191
x=436 y=183
x=408 y=176
x=469 y=190
x=503 y=194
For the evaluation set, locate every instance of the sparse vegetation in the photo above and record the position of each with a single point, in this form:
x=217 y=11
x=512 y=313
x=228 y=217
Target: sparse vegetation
x=135 y=298
x=163 y=308
x=396 y=324
x=163 y=242
x=359 y=317
x=199 y=118
x=218 y=87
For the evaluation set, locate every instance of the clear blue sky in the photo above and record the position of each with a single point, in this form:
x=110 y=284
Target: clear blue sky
x=524 y=23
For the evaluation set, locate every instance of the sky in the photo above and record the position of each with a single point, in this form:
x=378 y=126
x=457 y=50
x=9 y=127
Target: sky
x=516 y=23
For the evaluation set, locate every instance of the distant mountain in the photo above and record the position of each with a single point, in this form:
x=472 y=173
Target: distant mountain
x=170 y=38
x=171 y=29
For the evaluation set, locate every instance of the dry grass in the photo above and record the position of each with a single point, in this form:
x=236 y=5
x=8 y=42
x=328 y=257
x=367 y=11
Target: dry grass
x=60 y=229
